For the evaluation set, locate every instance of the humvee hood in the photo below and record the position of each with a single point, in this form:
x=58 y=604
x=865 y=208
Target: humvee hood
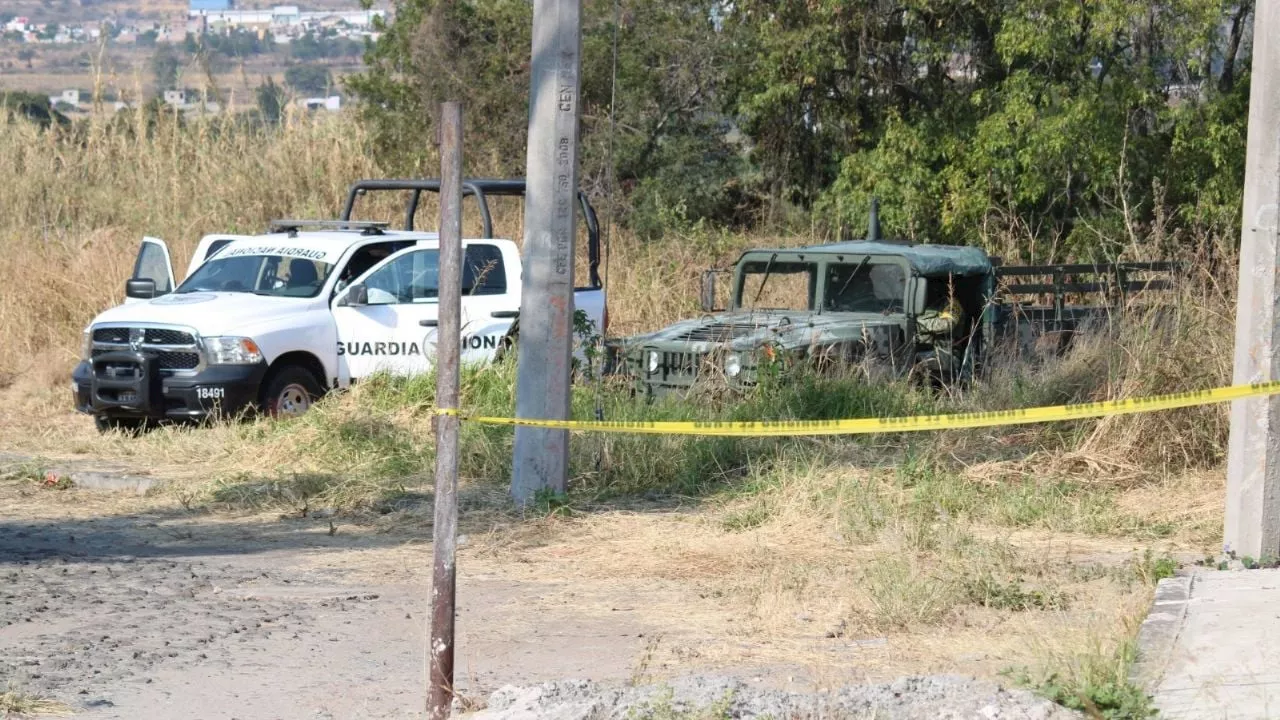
x=746 y=330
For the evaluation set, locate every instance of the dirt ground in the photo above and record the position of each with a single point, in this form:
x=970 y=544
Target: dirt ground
x=125 y=606
x=121 y=605
x=132 y=610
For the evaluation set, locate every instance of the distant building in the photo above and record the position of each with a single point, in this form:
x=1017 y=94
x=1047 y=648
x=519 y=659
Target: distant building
x=70 y=97
x=281 y=16
x=333 y=103
x=18 y=24
x=175 y=97
x=210 y=5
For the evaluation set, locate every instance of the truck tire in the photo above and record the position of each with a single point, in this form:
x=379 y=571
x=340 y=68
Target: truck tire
x=507 y=345
x=126 y=425
x=290 y=391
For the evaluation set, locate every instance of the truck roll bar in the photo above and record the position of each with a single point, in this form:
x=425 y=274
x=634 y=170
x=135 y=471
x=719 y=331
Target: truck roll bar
x=480 y=189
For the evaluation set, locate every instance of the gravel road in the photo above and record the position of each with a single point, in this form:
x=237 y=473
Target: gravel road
x=160 y=614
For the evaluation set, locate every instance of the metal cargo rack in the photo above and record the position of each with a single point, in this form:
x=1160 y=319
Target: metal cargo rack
x=1114 y=282
x=481 y=189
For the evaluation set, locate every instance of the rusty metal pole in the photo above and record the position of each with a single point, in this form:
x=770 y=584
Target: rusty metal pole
x=448 y=356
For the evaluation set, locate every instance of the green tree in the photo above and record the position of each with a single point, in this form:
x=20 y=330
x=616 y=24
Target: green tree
x=271 y=101
x=166 y=66
x=309 y=79
x=30 y=106
x=670 y=145
x=1041 y=128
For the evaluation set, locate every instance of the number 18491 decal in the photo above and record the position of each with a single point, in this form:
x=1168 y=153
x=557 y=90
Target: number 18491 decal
x=211 y=393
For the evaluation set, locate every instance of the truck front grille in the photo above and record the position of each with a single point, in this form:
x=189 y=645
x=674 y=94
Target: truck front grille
x=175 y=349
x=150 y=336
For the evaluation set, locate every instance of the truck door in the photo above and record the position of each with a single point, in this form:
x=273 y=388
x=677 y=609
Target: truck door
x=152 y=264
x=386 y=320
x=209 y=246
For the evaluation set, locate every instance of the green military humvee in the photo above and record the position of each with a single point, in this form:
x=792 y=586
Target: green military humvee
x=895 y=308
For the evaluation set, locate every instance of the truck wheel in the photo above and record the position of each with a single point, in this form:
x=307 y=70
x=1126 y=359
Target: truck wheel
x=290 y=391
x=507 y=345
x=128 y=426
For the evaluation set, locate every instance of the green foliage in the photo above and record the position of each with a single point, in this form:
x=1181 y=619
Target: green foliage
x=670 y=143
x=1041 y=129
x=315 y=47
x=236 y=43
x=271 y=100
x=30 y=106
x=166 y=65
x=310 y=80
x=1112 y=700
x=1151 y=569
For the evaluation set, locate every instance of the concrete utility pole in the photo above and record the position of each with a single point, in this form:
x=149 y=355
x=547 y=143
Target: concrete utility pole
x=448 y=356
x=550 y=214
x=1253 y=459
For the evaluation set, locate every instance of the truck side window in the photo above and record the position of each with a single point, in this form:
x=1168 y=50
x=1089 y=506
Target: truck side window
x=153 y=264
x=215 y=246
x=366 y=257
x=415 y=277
x=483 y=272
x=410 y=278
x=876 y=288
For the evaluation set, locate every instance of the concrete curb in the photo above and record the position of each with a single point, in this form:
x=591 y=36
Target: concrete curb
x=1159 y=632
x=99 y=479
x=109 y=481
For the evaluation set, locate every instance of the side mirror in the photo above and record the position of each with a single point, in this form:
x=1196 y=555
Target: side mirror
x=357 y=295
x=140 y=288
x=708 y=295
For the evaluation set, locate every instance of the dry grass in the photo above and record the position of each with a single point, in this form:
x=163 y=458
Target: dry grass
x=17 y=704
x=799 y=588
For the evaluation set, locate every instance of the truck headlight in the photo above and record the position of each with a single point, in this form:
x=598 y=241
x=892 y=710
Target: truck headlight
x=232 y=351
x=732 y=365
x=86 y=344
x=651 y=361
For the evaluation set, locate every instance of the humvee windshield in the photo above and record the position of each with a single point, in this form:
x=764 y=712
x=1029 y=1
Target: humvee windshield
x=776 y=285
x=865 y=287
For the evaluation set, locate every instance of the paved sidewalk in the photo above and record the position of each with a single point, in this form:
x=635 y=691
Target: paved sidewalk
x=1210 y=647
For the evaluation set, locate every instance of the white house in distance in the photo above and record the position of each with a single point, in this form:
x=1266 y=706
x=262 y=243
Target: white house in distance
x=333 y=103
x=68 y=97
x=284 y=16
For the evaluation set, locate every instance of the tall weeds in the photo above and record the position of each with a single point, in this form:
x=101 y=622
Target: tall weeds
x=79 y=200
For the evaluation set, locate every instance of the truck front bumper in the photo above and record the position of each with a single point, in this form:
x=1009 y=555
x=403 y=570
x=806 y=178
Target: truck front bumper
x=676 y=372
x=130 y=385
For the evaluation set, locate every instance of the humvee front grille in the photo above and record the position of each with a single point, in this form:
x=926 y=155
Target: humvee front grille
x=681 y=363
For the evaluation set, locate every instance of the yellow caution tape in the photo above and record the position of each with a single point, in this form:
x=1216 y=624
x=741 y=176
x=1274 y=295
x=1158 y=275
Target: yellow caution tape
x=860 y=426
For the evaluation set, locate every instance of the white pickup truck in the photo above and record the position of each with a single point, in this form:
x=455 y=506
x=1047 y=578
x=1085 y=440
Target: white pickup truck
x=274 y=321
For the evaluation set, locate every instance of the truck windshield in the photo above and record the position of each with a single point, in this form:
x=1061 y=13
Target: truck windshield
x=280 y=275
x=865 y=287
x=776 y=285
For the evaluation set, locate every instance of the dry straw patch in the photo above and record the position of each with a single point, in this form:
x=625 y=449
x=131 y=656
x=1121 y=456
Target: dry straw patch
x=17 y=704
x=812 y=583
